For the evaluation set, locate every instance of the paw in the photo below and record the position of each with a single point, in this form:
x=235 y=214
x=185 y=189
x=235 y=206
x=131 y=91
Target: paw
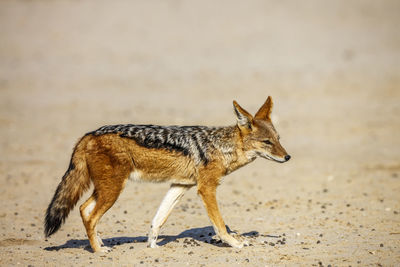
x=102 y=250
x=105 y=250
x=152 y=245
x=152 y=240
x=237 y=244
x=241 y=244
x=100 y=241
x=233 y=242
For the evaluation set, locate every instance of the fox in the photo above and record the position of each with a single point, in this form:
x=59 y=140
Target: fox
x=184 y=156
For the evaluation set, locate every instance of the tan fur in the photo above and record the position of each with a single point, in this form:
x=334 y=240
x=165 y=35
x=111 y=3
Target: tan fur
x=108 y=160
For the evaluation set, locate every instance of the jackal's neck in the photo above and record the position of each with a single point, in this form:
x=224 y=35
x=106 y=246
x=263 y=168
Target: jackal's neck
x=228 y=141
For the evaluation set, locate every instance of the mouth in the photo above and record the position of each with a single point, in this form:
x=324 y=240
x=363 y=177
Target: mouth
x=272 y=158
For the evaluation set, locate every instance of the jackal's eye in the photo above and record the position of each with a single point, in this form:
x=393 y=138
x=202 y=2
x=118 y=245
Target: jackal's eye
x=267 y=142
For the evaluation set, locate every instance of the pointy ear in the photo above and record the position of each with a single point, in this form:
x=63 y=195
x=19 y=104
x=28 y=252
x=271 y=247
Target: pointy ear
x=264 y=113
x=244 y=119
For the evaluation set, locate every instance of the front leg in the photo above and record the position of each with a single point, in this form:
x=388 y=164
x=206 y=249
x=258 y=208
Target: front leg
x=172 y=197
x=208 y=195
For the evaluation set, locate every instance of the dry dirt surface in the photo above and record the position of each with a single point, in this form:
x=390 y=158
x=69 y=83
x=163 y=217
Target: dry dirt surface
x=332 y=68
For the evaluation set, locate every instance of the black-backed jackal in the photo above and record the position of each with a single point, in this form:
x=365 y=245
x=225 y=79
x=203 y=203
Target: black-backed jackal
x=184 y=156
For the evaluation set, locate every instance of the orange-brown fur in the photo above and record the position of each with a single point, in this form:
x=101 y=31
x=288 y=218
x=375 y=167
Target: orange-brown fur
x=108 y=160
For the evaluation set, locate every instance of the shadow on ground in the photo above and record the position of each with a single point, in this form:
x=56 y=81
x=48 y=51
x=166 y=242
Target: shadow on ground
x=190 y=237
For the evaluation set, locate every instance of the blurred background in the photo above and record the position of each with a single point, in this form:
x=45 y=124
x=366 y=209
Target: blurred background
x=331 y=67
x=67 y=67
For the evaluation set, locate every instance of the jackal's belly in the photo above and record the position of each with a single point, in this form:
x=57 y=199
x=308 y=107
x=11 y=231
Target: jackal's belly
x=140 y=176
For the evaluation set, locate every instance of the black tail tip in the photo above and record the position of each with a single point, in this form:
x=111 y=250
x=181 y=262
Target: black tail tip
x=51 y=225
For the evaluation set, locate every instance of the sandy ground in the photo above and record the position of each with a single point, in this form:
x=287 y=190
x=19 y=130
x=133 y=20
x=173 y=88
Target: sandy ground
x=332 y=67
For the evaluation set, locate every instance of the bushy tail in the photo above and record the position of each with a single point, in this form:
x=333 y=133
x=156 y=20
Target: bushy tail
x=74 y=183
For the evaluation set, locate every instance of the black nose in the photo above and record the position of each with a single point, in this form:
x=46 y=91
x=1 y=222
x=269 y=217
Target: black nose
x=287 y=157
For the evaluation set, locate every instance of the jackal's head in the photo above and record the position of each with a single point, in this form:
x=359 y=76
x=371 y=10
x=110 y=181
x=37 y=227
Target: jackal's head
x=258 y=133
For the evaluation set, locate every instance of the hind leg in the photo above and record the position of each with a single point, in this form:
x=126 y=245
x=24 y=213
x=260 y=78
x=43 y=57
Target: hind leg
x=86 y=209
x=109 y=174
x=172 y=197
x=104 y=201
